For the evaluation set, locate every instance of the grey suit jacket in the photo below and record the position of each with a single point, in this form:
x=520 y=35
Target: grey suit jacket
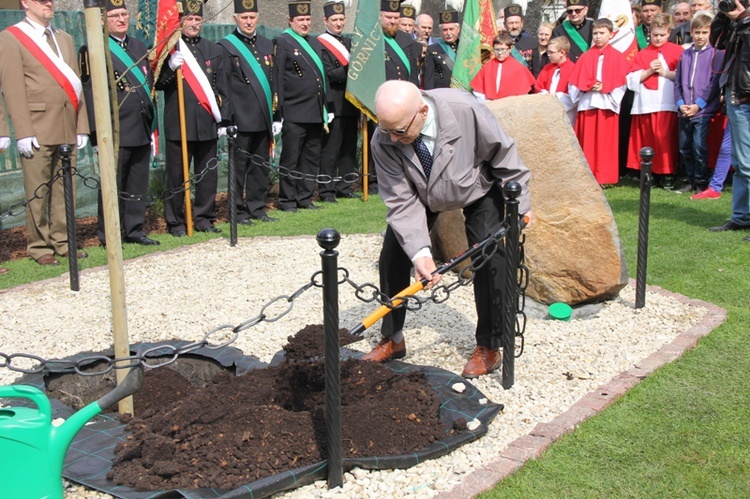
x=472 y=153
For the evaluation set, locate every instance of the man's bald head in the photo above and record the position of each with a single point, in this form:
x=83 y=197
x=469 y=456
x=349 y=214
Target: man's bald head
x=397 y=104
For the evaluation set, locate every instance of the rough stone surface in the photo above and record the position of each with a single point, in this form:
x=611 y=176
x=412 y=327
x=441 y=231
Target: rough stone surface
x=448 y=237
x=573 y=248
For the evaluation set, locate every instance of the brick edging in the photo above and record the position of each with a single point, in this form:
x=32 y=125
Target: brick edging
x=536 y=442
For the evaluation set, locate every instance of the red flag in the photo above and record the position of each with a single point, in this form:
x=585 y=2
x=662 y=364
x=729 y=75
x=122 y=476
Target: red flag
x=166 y=34
x=487 y=26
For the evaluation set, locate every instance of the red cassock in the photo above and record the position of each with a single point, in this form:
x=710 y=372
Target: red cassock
x=544 y=80
x=515 y=79
x=654 y=116
x=597 y=124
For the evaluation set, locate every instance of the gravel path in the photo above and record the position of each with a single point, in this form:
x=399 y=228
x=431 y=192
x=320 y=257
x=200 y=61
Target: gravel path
x=167 y=300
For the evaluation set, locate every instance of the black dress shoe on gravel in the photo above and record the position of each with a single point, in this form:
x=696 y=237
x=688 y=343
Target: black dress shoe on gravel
x=142 y=240
x=246 y=221
x=729 y=226
x=265 y=218
x=210 y=229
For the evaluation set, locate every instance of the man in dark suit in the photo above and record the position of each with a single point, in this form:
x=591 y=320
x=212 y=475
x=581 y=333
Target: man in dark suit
x=339 y=154
x=203 y=60
x=442 y=55
x=523 y=43
x=576 y=28
x=401 y=52
x=300 y=82
x=249 y=57
x=137 y=119
x=44 y=99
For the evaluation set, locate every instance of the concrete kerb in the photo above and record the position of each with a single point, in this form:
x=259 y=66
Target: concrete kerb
x=533 y=445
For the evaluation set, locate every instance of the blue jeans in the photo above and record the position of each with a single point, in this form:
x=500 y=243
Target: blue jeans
x=694 y=148
x=739 y=120
x=723 y=162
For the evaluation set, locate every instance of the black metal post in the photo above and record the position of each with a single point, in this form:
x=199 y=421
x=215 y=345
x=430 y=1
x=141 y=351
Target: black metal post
x=70 y=215
x=647 y=154
x=510 y=290
x=328 y=239
x=231 y=186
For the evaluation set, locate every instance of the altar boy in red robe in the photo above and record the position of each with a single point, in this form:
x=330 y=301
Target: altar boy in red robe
x=654 y=112
x=502 y=76
x=553 y=78
x=597 y=86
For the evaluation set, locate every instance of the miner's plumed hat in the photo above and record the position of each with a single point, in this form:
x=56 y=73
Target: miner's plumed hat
x=448 y=16
x=333 y=8
x=390 y=5
x=650 y=2
x=115 y=4
x=242 y=6
x=513 y=10
x=408 y=11
x=299 y=9
x=191 y=7
x=576 y=3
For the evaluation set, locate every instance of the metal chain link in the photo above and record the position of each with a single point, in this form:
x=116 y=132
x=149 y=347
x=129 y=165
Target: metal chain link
x=523 y=283
x=19 y=208
x=219 y=337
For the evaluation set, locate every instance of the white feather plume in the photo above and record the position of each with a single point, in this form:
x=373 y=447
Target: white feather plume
x=417 y=4
x=347 y=3
x=456 y=4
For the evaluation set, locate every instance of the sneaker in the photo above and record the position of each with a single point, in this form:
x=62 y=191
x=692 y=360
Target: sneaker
x=685 y=189
x=707 y=194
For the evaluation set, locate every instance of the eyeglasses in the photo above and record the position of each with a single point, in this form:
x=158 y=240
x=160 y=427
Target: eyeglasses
x=42 y=2
x=121 y=15
x=399 y=132
x=575 y=11
x=501 y=51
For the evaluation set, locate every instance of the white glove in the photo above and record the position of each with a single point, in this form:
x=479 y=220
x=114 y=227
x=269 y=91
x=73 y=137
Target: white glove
x=26 y=146
x=276 y=127
x=175 y=61
x=4 y=143
x=222 y=131
x=82 y=141
x=330 y=117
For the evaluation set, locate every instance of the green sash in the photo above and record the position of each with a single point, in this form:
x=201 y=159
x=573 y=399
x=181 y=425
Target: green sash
x=314 y=56
x=253 y=63
x=134 y=70
x=641 y=37
x=448 y=50
x=399 y=51
x=517 y=56
x=575 y=36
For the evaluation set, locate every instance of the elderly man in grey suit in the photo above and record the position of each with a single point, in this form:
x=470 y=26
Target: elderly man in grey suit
x=435 y=151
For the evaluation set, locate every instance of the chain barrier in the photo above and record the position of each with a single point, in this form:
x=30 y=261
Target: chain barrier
x=19 y=208
x=523 y=283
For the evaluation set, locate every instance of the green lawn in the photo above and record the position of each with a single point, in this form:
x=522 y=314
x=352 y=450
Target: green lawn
x=680 y=433
x=683 y=431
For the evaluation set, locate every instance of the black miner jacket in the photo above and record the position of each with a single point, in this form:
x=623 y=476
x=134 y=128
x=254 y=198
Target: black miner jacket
x=734 y=37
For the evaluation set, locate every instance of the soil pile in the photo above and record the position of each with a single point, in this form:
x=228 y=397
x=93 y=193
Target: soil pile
x=239 y=429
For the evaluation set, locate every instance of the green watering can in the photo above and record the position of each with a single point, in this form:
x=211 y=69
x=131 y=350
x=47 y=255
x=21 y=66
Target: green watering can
x=32 y=450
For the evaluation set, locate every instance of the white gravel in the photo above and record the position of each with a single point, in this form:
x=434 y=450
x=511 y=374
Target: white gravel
x=185 y=293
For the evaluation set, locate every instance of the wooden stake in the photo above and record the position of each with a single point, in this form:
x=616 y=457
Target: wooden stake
x=108 y=166
x=365 y=149
x=185 y=161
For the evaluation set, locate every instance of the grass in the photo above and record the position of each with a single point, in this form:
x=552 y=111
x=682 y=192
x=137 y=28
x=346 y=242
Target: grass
x=683 y=431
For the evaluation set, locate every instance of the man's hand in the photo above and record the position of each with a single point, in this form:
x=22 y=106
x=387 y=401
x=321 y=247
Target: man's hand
x=82 y=140
x=737 y=12
x=330 y=117
x=597 y=87
x=26 y=146
x=276 y=127
x=4 y=143
x=175 y=61
x=423 y=269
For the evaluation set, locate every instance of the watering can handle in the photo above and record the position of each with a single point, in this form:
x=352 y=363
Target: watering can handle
x=130 y=385
x=32 y=393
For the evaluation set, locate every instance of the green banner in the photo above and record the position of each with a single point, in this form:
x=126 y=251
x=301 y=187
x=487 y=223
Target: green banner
x=468 y=56
x=367 y=63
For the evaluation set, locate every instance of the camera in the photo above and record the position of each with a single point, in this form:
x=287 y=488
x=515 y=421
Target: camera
x=729 y=5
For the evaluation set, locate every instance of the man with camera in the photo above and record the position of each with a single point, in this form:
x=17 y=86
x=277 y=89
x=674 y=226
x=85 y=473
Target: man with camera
x=731 y=31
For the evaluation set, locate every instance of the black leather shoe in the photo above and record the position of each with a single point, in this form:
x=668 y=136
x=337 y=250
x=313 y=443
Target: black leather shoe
x=178 y=232
x=729 y=226
x=142 y=240
x=311 y=207
x=246 y=221
x=210 y=229
x=265 y=218
x=328 y=199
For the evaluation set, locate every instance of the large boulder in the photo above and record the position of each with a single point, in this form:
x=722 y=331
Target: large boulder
x=572 y=249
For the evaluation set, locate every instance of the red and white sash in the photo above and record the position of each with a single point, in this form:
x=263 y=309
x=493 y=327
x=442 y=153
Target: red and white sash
x=336 y=48
x=56 y=65
x=198 y=83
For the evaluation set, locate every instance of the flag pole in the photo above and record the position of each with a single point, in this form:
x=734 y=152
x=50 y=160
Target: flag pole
x=108 y=165
x=185 y=161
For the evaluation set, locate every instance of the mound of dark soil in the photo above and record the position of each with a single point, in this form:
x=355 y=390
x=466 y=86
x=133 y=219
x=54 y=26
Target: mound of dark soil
x=239 y=429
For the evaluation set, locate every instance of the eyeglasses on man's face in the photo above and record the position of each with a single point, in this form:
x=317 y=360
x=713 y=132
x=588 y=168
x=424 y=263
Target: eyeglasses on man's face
x=403 y=131
x=121 y=15
x=575 y=11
